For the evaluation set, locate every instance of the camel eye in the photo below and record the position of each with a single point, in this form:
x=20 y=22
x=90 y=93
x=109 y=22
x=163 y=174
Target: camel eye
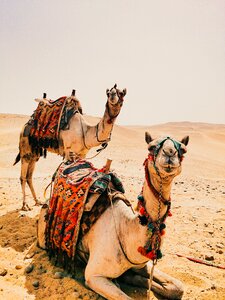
x=151 y=148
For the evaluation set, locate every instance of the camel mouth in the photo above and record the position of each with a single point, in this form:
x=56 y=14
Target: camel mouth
x=169 y=168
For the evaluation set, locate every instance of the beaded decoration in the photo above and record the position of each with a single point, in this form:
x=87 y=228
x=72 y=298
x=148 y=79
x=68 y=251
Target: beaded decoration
x=155 y=230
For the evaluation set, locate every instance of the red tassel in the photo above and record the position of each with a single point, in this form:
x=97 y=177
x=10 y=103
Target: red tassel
x=150 y=255
x=142 y=211
x=151 y=157
x=169 y=213
x=163 y=232
x=142 y=250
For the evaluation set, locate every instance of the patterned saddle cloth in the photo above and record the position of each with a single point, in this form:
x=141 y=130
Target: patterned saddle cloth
x=75 y=205
x=47 y=119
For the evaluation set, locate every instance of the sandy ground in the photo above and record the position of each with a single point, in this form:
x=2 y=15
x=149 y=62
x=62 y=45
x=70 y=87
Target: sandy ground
x=195 y=230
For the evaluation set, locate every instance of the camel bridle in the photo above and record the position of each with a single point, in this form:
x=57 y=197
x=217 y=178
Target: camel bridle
x=177 y=146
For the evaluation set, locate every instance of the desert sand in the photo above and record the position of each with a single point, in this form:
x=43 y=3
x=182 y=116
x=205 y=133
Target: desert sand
x=196 y=228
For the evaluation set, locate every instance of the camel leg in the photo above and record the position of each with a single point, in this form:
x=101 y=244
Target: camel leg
x=30 y=172
x=105 y=287
x=162 y=283
x=23 y=180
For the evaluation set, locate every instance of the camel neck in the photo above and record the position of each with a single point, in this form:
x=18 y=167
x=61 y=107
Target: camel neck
x=153 y=205
x=105 y=126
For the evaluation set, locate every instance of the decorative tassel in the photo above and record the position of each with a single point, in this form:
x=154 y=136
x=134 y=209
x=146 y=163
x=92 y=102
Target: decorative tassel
x=151 y=255
x=149 y=249
x=142 y=250
x=140 y=197
x=143 y=220
x=159 y=254
x=162 y=226
x=151 y=157
x=163 y=232
x=151 y=226
x=142 y=211
x=169 y=213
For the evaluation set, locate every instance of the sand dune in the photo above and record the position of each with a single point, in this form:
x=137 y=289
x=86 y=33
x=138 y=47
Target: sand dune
x=196 y=228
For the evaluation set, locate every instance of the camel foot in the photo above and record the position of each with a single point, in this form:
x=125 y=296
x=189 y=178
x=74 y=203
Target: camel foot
x=25 y=207
x=38 y=203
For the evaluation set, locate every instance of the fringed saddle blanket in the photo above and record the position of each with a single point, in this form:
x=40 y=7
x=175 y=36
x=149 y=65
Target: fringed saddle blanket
x=43 y=126
x=74 y=183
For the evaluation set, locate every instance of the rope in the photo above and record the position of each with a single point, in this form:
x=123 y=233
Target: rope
x=200 y=261
x=151 y=279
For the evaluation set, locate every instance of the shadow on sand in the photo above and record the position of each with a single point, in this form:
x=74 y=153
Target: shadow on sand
x=18 y=231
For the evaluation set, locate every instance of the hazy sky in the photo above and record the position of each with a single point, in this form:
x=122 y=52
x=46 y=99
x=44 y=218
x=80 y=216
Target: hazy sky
x=170 y=55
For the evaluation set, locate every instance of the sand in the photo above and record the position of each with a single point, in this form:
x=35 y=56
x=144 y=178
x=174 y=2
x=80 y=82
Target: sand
x=196 y=228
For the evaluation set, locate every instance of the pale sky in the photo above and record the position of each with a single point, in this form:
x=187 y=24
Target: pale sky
x=170 y=55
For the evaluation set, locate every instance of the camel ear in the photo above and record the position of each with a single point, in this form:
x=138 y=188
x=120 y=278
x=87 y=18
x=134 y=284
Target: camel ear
x=185 y=140
x=107 y=92
x=148 y=137
x=124 y=92
x=115 y=86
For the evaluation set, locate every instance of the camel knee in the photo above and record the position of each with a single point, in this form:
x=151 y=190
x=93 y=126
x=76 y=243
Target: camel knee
x=89 y=279
x=23 y=180
x=176 y=291
x=29 y=180
x=172 y=290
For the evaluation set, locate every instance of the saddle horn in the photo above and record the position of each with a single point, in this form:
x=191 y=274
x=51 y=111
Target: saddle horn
x=73 y=93
x=44 y=95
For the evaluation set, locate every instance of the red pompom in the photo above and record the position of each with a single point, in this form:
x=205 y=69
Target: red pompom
x=162 y=232
x=169 y=213
x=142 y=250
x=142 y=211
x=151 y=255
x=151 y=157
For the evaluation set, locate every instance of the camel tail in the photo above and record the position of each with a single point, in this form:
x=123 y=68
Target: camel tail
x=17 y=159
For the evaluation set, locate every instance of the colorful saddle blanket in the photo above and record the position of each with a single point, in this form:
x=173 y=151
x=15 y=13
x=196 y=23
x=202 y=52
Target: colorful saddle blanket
x=47 y=119
x=73 y=182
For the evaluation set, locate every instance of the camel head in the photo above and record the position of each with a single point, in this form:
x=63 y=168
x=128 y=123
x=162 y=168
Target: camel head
x=115 y=100
x=165 y=155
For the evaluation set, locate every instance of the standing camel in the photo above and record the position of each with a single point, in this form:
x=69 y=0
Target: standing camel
x=78 y=139
x=125 y=243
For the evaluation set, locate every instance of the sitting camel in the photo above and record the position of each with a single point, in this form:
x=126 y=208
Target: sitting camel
x=127 y=244
x=78 y=138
